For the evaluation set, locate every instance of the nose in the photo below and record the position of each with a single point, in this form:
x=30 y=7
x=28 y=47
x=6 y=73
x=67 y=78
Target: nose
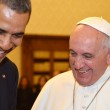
x=6 y=42
x=78 y=62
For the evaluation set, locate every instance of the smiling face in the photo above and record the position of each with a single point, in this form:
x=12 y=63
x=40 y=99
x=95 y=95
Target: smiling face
x=88 y=57
x=12 y=27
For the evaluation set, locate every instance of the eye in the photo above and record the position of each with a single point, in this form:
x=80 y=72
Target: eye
x=2 y=32
x=73 y=54
x=18 y=35
x=88 y=56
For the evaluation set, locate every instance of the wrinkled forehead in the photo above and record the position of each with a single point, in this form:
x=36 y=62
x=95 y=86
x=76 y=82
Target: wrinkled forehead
x=83 y=30
x=85 y=35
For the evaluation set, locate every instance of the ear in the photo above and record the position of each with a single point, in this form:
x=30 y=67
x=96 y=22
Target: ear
x=108 y=58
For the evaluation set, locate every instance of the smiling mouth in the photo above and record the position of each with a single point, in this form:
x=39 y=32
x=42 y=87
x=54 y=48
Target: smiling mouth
x=1 y=52
x=5 y=52
x=82 y=71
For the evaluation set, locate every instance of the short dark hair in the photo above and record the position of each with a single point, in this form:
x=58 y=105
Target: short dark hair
x=20 y=6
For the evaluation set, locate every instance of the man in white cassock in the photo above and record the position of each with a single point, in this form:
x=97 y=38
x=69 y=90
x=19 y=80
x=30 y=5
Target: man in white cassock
x=87 y=85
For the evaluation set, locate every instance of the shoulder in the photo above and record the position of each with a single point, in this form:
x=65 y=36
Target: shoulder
x=7 y=61
x=8 y=65
x=65 y=76
x=60 y=80
x=56 y=88
x=9 y=68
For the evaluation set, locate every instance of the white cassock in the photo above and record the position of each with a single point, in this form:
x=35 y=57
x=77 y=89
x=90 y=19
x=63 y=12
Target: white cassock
x=59 y=92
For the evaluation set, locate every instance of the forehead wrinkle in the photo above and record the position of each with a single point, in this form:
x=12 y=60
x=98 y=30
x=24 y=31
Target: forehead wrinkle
x=95 y=37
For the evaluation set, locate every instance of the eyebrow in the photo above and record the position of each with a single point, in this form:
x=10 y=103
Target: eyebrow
x=19 y=33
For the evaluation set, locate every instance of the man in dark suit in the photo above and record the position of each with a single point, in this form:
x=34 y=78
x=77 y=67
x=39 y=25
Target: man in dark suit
x=14 y=16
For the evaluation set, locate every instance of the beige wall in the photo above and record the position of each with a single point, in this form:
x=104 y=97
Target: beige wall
x=57 y=17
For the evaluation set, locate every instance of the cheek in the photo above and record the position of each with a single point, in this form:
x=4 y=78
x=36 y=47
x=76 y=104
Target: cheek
x=17 y=41
x=98 y=66
x=71 y=61
x=101 y=62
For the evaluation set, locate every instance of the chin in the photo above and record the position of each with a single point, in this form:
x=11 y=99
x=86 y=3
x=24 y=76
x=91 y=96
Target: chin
x=84 y=83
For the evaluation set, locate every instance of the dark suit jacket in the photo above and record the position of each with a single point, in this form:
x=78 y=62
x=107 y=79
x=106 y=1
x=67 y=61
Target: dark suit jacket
x=8 y=85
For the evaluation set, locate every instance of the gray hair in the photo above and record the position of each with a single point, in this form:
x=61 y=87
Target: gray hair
x=106 y=42
x=20 y=6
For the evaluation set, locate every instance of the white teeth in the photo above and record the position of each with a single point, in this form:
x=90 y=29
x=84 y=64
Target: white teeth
x=82 y=71
x=1 y=52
